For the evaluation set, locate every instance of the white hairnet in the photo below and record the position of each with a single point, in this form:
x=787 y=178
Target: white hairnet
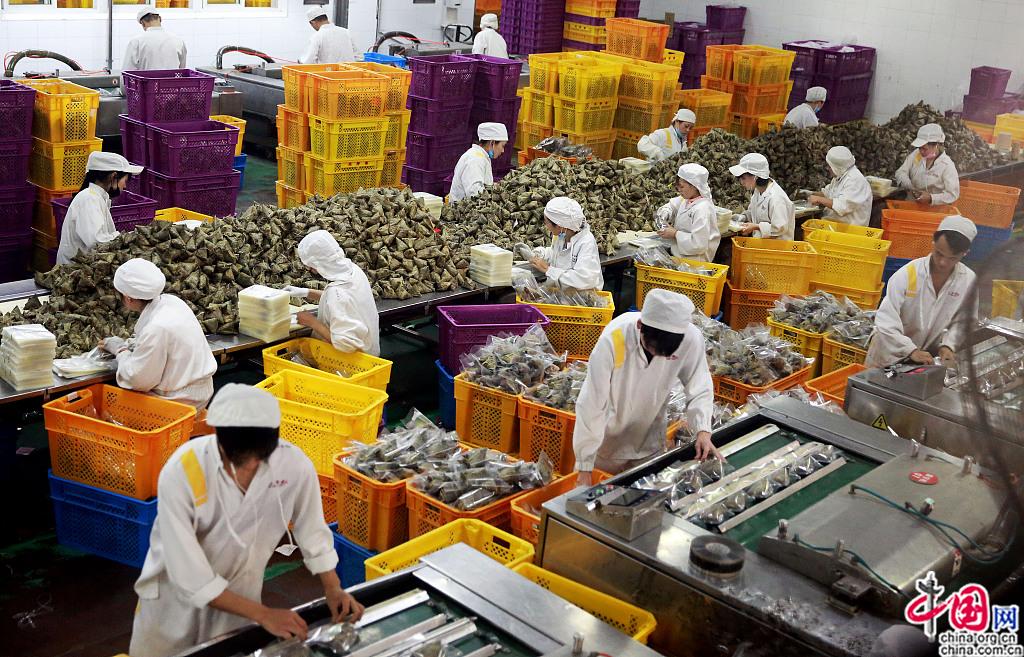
x=315 y=12
x=103 y=161
x=816 y=95
x=564 y=212
x=322 y=252
x=958 y=224
x=929 y=133
x=697 y=176
x=685 y=115
x=840 y=159
x=492 y=132
x=139 y=279
x=668 y=311
x=752 y=163
x=489 y=20
x=238 y=405
x=142 y=13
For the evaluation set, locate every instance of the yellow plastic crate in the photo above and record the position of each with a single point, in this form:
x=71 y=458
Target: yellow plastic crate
x=673 y=58
x=719 y=61
x=575 y=329
x=849 y=260
x=235 y=121
x=584 y=117
x=1006 y=298
x=986 y=131
x=710 y=106
x=291 y=167
x=499 y=545
x=292 y=128
x=626 y=618
x=864 y=299
x=625 y=144
x=391 y=174
x=534 y=133
x=644 y=81
x=1012 y=124
x=544 y=71
x=398 y=87
x=762 y=65
x=63 y=111
x=288 y=196
x=259 y=3
x=181 y=214
x=769 y=265
x=538 y=108
x=582 y=32
x=704 y=291
x=356 y=368
x=294 y=77
x=770 y=123
x=836 y=355
x=347 y=94
x=60 y=167
x=759 y=100
x=584 y=78
x=812 y=225
x=329 y=178
x=807 y=343
x=591 y=8
x=398 y=130
x=322 y=415
x=346 y=139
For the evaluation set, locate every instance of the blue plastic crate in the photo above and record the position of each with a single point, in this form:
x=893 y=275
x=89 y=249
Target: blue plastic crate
x=351 y=569
x=445 y=396
x=381 y=58
x=99 y=522
x=988 y=240
x=239 y=166
x=892 y=265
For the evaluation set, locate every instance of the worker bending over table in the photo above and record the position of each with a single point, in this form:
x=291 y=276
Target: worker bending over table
x=690 y=219
x=770 y=214
x=848 y=197
x=572 y=260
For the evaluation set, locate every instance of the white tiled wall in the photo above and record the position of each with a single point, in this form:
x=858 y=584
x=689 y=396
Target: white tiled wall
x=926 y=48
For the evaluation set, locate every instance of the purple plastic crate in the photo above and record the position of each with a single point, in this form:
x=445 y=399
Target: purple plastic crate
x=128 y=210
x=215 y=194
x=16 y=105
x=833 y=63
x=585 y=20
x=14 y=253
x=801 y=84
x=169 y=95
x=431 y=118
x=847 y=86
x=421 y=180
x=843 y=110
x=569 y=44
x=732 y=37
x=694 y=38
x=694 y=65
x=989 y=81
x=806 y=56
x=985 y=110
x=14 y=157
x=498 y=110
x=16 y=206
x=461 y=328
x=724 y=17
x=627 y=9
x=690 y=81
x=139 y=184
x=496 y=77
x=443 y=77
x=191 y=148
x=432 y=152
x=133 y=140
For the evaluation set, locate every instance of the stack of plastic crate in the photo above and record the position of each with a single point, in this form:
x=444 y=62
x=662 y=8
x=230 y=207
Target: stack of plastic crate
x=533 y=26
x=584 y=24
x=758 y=79
x=395 y=113
x=987 y=98
x=495 y=100
x=844 y=71
x=712 y=108
x=17 y=196
x=724 y=25
x=648 y=99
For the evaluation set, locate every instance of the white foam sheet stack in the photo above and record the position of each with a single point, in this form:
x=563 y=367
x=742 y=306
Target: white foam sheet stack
x=432 y=202
x=263 y=313
x=26 y=356
x=880 y=186
x=490 y=265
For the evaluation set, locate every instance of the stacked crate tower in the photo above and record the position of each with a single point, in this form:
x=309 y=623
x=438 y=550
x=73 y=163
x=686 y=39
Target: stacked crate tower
x=723 y=26
x=17 y=196
x=533 y=26
x=495 y=100
x=758 y=79
x=844 y=71
x=986 y=99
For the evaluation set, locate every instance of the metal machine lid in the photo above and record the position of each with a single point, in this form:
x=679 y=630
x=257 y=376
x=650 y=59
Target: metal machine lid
x=717 y=554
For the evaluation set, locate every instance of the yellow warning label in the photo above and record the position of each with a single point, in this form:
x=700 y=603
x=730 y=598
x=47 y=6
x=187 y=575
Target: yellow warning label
x=880 y=423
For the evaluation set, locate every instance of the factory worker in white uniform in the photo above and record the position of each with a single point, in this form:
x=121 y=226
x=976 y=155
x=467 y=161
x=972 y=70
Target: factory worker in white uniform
x=155 y=49
x=928 y=173
x=663 y=143
x=691 y=220
x=621 y=411
x=170 y=357
x=226 y=501
x=473 y=172
x=927 y=309
x=573 y=259
x=848 y=197
x=329 y=44
x=770 y=214
x=88 y=221
x=487 y=41
x=347 y=314
x=805 y=115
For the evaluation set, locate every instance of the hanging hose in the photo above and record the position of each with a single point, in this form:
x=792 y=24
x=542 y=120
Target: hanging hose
x=244 y=50
x=38 y=54
x=392 y=35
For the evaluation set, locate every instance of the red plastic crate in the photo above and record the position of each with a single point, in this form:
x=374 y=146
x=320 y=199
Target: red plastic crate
x=431 y=152
x=168 y=95
x=16 y=205
x=430 y=118
x=214 y=195
x=496 y=77
x=443 y=77
x=191 y=148
x=14 y=157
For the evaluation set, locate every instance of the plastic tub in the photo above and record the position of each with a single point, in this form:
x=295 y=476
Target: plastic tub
x=486 y=417
x=585 y=33
x=462 y=328
x=498 y=110
x=443 y=77
x=710 y=106
x=538 y=107
x=866 y=299
x=910 y=232
x=16 y=106
x=168 y=95
x=588 y=79
x=191 y=148
x=845 y=86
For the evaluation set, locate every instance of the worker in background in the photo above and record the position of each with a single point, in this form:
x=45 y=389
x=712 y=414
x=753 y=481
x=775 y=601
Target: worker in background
x=347 y=314
x=88 y=221
x=473 y=170
x=690 y=219
x=848 y=197
x=154 y=49
x=926 y=307
x=621 y=416
x=226 y=500
x=487 y=41
x=928 y=173
x=666 y=142
x=771 y=214
x=572 y=260
x=805 y=115
x=170 y=357
x=329 y=44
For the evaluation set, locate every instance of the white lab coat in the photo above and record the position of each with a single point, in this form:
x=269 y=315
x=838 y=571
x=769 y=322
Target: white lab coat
x=941 y=180
x=209 y=537
x=914 y=316
x=171 y=357
x=154 y=50
x=773 y=213
x=488 y=42
x=472 y=173
x=350 y=312
x=576 y=263
x=661 y=144
x=329 y=45
x=621 y=410
x=801 y=116
x=86 y=224
x=851 y=198
x=696 y=224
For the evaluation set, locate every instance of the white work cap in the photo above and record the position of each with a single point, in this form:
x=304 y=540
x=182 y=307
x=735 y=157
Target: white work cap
x=840 y=159
x=816 y=95
x=239 y=405
x=685 y=115
x=315 y=12
x=139 y=279
x=929 y=133
x=958 y=224
x=322 y=252
x=752 y=163
x=142 y=13
x=697 y=176
x=489 y=20
x=668 y=311
x=492 y=132
x=564 y=212
x=103 y=161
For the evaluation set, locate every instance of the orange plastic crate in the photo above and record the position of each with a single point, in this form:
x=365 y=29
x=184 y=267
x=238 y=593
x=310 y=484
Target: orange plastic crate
x=922 y=207
x=288 y=196
x=398 y=87
x=294 y=77
x=526 y=523
x=710 y=106
x=292 y=128
x=371 y=513
x=534 y=133
x=347 y=94
x=743 y=125
x=291 y=167
x=328 y=498
x=548 y=430
x=719 y=60
x=760 y=100
x=910 y=232
x=427 y=513
x=735 y=392
x=771 y=265
x=988 y=205
x=865 y=299
x=599 y=142
x=486 y=417
x=696 y=133
x=832 y=386
x=748 y=306
x=762 y=65
x=625 y=144
x=636 y=38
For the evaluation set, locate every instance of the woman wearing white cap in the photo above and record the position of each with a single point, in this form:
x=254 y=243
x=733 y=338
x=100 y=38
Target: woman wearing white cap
x=573 y=259
x=154 y=49
x=621 y=411
x=692 y=223
x=926 y=311
x=347 y=314
x=226 y=500
x=487 y=41
x=663 y=143
x=170 y=356
x=473 y=170
x=928 y=173
x=88 y=221
x=805 y=115
x=771 y=214
x=329 y=44
x=848 y=197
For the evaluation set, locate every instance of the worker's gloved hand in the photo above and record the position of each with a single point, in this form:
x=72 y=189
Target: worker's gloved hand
x=112 y=345
x=282 y=623
x=297 y=292
x=524 y=251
